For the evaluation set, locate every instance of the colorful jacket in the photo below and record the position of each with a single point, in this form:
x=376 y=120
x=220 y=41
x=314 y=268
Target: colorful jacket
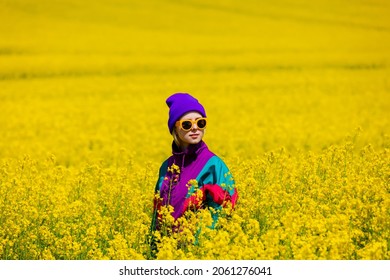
x=176 y=177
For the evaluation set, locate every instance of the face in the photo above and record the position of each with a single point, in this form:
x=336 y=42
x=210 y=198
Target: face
x=192 y=136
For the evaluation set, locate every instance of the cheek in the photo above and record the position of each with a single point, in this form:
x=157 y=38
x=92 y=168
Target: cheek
x=181 y=134
x=201 y=133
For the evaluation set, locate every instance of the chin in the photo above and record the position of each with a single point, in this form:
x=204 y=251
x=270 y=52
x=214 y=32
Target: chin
x=196 y=141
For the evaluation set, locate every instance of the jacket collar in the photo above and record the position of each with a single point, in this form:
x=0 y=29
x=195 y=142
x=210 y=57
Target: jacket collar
x=193 y=149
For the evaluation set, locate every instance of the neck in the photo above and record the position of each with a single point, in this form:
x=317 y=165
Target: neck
x=180 y=144
x=183 y=146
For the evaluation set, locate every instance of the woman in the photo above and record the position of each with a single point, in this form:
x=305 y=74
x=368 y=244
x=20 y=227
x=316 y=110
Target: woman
x=192 y=167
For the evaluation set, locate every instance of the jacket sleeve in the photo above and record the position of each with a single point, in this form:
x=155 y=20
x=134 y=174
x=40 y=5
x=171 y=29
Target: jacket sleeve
x=156 y=202
x=218 y=186
x=161 y=174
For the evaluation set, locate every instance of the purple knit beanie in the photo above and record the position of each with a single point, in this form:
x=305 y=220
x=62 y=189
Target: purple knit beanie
x=179 y=104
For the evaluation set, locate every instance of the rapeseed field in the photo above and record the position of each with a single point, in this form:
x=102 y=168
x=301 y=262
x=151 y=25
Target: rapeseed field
x=297 y=95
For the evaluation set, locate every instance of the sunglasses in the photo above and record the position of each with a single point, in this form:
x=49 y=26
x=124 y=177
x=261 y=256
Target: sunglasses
x=187 y=125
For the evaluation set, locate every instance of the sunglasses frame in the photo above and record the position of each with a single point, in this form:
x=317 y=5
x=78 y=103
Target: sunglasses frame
x=180 y=124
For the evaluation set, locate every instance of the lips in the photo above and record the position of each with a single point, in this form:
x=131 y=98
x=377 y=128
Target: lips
x=194 y=135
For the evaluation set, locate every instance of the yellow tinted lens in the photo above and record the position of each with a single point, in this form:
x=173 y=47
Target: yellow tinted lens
x=201 y=123
x=186 y=125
